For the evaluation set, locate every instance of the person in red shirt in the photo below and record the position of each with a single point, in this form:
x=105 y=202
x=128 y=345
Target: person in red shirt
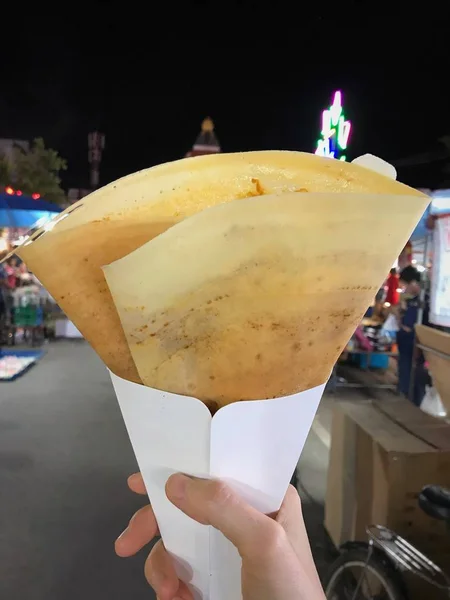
x=392 y=283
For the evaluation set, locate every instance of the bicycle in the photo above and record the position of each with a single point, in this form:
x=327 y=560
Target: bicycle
x=386 y=558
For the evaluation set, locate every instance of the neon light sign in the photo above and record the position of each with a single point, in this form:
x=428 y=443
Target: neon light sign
x=335 y=131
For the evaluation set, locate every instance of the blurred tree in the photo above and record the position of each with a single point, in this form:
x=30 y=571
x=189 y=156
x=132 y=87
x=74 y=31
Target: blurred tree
x=35 y=171
x=5 y=171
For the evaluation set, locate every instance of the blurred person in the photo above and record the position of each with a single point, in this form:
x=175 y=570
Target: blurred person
x=392 y=286
x=26 y=299
x=11 y=270
x=377 y=311
x=407 y=314
x=3 y=285
x=277 y=563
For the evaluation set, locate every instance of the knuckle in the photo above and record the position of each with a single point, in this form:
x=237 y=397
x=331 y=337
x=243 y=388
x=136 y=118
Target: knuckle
x=275 y=536
x=266 y=544
x=219 y=493
x=150 y=572
x=272 y=541
x=293 y=499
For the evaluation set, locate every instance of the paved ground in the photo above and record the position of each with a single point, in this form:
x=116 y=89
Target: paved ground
x=64 y=460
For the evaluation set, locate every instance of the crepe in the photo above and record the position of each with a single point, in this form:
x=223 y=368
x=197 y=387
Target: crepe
x=122 y=216
x=256 y=298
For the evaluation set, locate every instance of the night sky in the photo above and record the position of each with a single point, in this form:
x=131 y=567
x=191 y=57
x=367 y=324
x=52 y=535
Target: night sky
x=62 y=90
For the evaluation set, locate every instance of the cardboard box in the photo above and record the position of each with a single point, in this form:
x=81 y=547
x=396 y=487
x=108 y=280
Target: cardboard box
x=439 y=364
x=381 y=455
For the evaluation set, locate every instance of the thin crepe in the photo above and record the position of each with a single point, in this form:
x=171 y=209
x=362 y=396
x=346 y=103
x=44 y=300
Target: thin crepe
x=122 y=216
x=256 y=299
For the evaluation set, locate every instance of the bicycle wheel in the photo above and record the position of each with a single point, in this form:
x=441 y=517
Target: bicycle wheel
x=353 y=577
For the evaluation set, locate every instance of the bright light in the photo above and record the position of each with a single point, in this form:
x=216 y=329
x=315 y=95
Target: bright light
x=49 y=226
x=413 y=262
x=42 y=221
x=20 y=240
x=335 y=130
x=46 y=223
x=387 y=304
x=441 y=203
x=421 y=269
x=12 y=192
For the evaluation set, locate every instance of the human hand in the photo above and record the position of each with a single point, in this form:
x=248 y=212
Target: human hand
x=276 y=556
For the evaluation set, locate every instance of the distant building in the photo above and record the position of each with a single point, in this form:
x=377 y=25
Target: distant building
x=75 y=194
x=7 y=147
x=206 y=142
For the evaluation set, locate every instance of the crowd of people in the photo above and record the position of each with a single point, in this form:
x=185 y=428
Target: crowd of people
x=409 y=307
x=22 y=304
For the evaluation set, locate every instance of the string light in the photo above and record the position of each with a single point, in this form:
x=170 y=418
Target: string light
x=12 y=192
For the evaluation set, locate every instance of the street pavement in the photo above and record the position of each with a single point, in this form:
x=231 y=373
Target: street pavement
x=64 y=460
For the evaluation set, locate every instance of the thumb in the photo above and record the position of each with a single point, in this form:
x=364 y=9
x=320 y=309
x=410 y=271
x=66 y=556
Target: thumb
x=212 y=502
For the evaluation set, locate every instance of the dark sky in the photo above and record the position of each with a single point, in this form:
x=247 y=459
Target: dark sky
x=63 y=90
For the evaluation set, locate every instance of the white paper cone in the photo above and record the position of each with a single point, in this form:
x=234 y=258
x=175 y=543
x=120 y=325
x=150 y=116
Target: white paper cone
x=253 y=446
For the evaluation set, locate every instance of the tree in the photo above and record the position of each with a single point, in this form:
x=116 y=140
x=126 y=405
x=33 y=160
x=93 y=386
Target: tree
x=5 y=171
x=35 y=171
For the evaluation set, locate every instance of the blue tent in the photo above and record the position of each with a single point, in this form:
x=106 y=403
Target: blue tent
x=23 y=211
x=421 y=228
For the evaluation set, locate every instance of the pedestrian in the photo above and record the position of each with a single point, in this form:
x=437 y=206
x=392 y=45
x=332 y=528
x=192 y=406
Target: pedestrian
x=407 y=314
x=392 y=285
x=11 y=271
x=3 y=290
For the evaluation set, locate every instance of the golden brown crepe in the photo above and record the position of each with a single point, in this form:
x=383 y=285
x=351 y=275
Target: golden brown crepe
x=257 y=298
x=117 y=219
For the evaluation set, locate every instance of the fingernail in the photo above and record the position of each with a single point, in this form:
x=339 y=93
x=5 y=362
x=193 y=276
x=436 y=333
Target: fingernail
x=176 y=486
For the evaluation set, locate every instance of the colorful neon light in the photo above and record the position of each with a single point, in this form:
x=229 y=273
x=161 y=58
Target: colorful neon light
x=335 y=131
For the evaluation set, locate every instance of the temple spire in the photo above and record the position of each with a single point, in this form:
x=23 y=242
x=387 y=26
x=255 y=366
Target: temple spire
x=206 y=142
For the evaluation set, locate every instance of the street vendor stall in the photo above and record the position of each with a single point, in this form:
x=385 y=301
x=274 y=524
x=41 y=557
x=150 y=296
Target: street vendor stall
x=374 y=342
x=432 y=341
x=22 y=320
x=18 y=211
x=372 y=346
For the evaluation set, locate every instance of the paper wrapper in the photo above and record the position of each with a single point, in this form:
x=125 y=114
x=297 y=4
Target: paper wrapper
x=253 y=446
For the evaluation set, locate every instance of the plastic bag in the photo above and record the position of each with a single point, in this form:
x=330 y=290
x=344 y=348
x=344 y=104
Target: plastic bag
x=432 y=403
x=390 y=325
